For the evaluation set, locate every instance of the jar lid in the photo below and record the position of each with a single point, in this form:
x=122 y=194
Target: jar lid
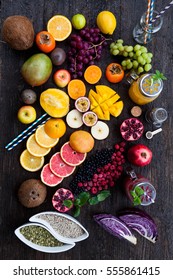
x=150 y=87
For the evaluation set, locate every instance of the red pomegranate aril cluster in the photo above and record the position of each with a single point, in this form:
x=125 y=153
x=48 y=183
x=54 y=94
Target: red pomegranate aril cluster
x=107 y=175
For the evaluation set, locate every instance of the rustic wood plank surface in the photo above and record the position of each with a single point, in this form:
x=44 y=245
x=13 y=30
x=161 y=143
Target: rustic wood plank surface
x=100 y=245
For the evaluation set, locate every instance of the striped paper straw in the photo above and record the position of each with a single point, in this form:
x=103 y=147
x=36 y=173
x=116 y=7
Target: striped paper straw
x=151 y=10
x=25 y=131
x=26 y=135
x=147 y=19
x=162 y=12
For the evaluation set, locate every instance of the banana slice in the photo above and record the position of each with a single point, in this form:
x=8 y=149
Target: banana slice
x=74 y=119
x=100 y=130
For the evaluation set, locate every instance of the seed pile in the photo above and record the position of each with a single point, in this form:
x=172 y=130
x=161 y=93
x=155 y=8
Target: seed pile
x=100 y=171
x=40 y=236
x=62 y=225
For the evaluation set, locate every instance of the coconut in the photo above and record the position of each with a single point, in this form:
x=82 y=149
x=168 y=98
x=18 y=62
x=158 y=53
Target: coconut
x=18 y=32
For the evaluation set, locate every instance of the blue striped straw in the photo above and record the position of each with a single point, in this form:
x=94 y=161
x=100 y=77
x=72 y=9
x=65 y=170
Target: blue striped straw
x=162 y=12
x=26 y=135
x=151 y=10
x=25 y=131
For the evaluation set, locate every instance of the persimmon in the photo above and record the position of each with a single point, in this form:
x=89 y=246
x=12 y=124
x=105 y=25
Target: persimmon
x=114 y=73
x=45 y=41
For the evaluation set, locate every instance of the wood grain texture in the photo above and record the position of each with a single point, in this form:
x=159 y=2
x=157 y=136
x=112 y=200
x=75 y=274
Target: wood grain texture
x=100 y=245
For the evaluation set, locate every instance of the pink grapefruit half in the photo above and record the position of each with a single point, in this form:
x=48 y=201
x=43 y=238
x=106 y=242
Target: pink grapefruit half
x=59 y=167
x=70 y=156
x=49 y=178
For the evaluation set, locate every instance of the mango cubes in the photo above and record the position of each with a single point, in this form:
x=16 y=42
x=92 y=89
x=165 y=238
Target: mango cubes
x=104 y=102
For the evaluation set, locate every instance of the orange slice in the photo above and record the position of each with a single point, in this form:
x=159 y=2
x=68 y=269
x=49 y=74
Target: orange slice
x=60 y=27
x=30 y=162
x=34 y=148
x=76 y=88
x=92 y=74
x=43 y=139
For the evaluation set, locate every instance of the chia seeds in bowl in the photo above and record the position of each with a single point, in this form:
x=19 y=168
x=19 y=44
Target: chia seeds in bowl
x=66 y=228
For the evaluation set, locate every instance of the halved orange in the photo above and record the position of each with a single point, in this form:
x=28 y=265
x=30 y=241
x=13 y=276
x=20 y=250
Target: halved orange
x=34 y=148
x=60 y=27
x=76 y=88
x=92 y=74
x=43 y=139
x=30 y=162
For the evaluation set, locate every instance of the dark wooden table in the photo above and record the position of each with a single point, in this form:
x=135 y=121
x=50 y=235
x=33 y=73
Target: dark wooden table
x=100 y=245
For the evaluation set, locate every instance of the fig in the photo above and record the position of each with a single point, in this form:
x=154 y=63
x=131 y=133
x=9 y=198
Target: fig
x=37 y=69
x=28 y=96
x=18 y=32
x=58 y=56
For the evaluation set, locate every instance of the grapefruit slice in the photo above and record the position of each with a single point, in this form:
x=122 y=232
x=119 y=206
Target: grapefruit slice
x=59 y=167
x=70 y=156
x=49 y=178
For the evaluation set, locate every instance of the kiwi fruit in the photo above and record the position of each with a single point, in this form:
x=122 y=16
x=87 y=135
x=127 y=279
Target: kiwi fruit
x=18 y=32
x=32 y=193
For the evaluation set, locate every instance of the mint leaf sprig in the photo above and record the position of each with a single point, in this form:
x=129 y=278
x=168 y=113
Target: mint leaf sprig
x=158 y=76
x=136 y=195
x=83 y=198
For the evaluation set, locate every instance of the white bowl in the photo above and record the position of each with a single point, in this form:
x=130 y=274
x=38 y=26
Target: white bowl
x=57 y=249
x=55 y=233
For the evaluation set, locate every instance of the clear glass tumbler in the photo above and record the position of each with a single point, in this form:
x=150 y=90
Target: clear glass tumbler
x=143 y=33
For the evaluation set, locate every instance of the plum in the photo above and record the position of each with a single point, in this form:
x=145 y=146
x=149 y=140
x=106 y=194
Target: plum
x=28 y=96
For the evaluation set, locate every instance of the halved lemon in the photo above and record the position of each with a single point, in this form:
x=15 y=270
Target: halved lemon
x=34 y=148
x=30 y=162
x=43 y=139
x=60 y=27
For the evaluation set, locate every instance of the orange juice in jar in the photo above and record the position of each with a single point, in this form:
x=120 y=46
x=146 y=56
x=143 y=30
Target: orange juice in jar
x=145 y=89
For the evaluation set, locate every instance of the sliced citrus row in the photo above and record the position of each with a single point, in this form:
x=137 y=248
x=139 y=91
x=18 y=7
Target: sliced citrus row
x=49 y=178
x=76 y=88
x=93 y=74
x=34 y=148
x=30 y=162
x=104 y=102
x=60 y=27
x=62 y=164
x=43 y=139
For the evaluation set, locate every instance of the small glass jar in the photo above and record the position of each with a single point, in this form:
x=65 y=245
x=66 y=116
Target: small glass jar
x=156 y=116
x=138 y=188
x=144 y=89
x=143 y=33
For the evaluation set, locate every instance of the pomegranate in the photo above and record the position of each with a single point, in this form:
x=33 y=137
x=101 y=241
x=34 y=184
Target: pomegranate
x=59 y=197
x=131 y=129
x=139 y=155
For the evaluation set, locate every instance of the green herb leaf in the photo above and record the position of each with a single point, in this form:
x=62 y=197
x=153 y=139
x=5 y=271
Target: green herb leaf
x=76 y=211
x=139 y=191
x=83 y=197
x=93 y=200
x=103 y=195
x=136 y=201
x=77 y=202
x=158 y=76
x=68 y=203
x=133 y=194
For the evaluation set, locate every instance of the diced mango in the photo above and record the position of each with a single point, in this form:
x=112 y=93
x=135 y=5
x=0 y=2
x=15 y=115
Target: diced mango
x=112 y=100
x=116 y=109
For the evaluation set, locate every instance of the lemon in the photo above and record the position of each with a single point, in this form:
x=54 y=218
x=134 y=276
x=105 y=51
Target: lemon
x=106 y=22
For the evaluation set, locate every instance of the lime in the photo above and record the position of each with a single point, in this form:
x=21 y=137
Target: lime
x=78 y=21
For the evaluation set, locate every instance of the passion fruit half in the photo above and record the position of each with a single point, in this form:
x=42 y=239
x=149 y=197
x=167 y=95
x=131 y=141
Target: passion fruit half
x=82 y=104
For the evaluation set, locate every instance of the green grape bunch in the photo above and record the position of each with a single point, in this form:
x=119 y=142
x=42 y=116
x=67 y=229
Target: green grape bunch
x=137 y=58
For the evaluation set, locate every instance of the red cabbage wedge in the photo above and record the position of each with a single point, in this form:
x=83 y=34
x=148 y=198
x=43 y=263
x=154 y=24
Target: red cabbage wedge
x=115 y=227
x=139 y=221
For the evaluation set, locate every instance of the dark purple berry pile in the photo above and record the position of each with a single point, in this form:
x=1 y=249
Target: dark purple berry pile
x=100 y=171
x=85 y=48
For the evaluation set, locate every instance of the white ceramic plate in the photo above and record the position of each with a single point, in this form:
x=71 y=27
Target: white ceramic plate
x=45 y=249
x=55 y=233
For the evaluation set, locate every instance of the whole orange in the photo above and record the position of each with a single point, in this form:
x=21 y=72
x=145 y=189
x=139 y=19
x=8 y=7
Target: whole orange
x=81 y=141
x=55 y=128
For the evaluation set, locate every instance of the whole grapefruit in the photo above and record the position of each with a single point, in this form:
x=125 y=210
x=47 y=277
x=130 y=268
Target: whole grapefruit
x=81 y=141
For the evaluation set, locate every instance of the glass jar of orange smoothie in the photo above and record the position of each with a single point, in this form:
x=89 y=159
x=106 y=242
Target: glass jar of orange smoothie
x=144 y=89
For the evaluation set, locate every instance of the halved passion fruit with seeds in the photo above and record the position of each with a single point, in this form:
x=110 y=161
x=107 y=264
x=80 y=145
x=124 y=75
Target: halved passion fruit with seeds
x=82 y=104
x=131 y=129
x=90 y=118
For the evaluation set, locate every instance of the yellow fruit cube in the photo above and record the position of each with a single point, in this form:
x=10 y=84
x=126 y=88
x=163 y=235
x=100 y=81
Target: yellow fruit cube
x=116 y=109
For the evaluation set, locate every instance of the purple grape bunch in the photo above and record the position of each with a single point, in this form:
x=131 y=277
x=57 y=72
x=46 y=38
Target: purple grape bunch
x=85 y=48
